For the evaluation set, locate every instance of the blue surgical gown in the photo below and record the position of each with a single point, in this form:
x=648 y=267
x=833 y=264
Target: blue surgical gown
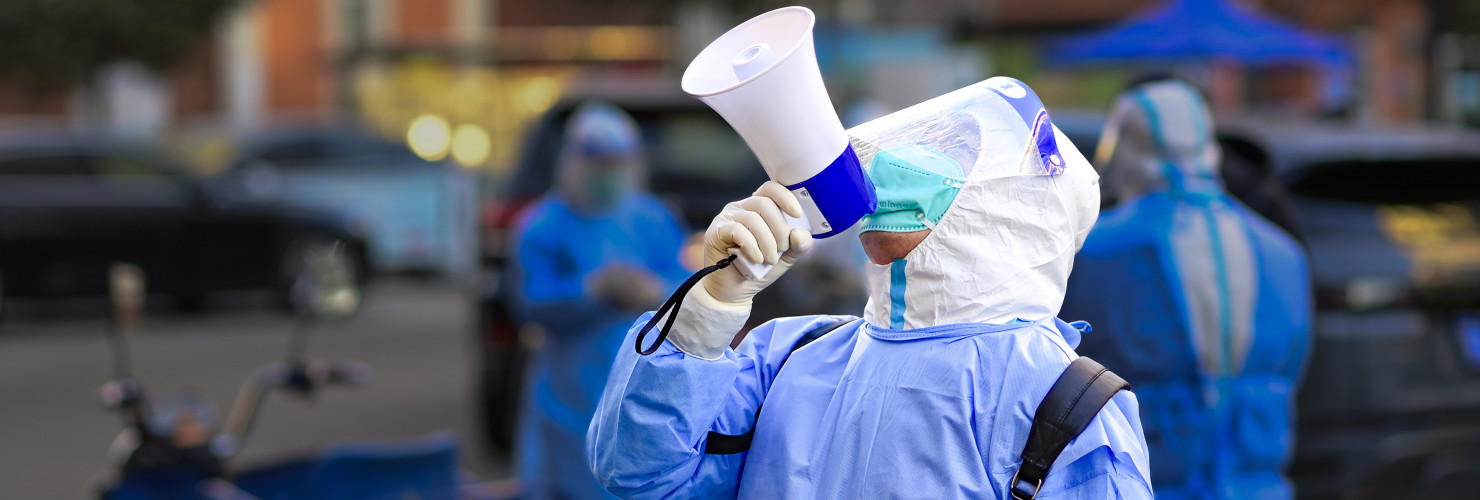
x=558 y=249
x=863 y=412
x=1205 y=309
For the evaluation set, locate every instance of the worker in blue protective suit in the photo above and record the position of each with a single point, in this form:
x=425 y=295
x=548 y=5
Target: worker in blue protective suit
x=931 y=395
x=592 y=253
x=1203 y=306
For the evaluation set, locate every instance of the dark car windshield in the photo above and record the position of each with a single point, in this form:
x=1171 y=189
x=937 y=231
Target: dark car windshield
x=1393 y=183
x=333 y=150
x=698 y=146
x=58 y=165
x=1409 y=220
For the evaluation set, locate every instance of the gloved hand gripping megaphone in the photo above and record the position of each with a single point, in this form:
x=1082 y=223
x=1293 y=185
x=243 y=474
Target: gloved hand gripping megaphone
x=762 y=77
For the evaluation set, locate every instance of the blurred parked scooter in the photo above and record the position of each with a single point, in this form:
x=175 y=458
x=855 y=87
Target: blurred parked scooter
x=176 y=451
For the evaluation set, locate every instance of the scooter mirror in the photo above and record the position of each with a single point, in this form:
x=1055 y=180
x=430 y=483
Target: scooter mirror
x=117 y=393
x=126 y=292
x=326 y=289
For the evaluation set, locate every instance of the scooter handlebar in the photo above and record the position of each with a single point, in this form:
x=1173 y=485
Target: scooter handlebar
x=353 y=373
x=303 y=378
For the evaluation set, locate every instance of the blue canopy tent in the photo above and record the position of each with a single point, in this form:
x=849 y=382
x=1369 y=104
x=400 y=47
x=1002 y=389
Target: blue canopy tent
x=1181 y=31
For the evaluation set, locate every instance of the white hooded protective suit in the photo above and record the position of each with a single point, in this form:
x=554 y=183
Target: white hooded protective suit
x=937 y=407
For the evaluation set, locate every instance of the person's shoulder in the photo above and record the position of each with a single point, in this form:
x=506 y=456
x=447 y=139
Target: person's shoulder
x=804 y=323
x=1277 y=248
x=1103 y=473
x=543 y=219
x=1133 y=223
x=1036 y=353
x=1267 y=232
x=783 y=333
x=1109 y=459
x=648 y=206
x=542 y=211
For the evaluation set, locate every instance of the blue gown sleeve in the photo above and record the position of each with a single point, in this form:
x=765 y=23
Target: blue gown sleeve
x=1114 y=465
x=550 y=292
x=1100 y=476
x=652 y=424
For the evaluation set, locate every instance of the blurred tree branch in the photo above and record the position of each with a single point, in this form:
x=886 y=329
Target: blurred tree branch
x=65 y=42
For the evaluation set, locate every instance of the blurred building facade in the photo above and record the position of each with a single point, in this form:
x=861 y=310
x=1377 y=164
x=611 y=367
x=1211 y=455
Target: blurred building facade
x=478 y=71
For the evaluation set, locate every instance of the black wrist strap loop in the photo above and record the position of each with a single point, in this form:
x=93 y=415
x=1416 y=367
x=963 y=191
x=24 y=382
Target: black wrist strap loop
x=670 y=307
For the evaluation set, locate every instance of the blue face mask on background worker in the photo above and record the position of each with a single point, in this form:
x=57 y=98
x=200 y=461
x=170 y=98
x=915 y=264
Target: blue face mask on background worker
x=1203 y=306
x=931 y=396
x=591 y=254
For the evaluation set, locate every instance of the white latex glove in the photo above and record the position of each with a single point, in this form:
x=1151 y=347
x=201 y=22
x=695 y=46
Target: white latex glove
x=714 y=312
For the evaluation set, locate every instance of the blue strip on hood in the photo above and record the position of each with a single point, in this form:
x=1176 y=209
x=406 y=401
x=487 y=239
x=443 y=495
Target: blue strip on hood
x=896 y=294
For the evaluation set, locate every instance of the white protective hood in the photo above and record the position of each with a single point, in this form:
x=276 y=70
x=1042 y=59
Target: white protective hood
x=1004 y=248
x=1159 y=137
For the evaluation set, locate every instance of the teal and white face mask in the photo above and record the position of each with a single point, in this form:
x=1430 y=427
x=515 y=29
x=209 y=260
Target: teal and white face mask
x=915 y=185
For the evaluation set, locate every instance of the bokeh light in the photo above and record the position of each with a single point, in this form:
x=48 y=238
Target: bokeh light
x=429 y=137
x=470 y=145
x=538 y=94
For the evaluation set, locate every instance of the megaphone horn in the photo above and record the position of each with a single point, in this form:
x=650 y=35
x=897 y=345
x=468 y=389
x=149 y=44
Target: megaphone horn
x=762 y=77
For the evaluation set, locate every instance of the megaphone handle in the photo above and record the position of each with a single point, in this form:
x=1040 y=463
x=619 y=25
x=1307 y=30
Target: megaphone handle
x=756 y=271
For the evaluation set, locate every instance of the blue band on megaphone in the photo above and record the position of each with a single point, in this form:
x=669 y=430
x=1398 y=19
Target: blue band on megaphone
x=841 y=192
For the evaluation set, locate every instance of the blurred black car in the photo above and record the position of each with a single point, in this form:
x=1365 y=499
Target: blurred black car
x=1390 y=407
x=73 y=205
x=696 y=164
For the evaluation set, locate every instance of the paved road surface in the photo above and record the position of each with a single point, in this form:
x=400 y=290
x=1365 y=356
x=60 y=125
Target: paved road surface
x=54 y=434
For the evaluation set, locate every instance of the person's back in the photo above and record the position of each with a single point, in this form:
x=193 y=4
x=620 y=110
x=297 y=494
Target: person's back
x=856 y=422
x=1203 y=306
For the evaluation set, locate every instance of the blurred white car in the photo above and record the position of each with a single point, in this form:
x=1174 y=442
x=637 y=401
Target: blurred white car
x=418 y=216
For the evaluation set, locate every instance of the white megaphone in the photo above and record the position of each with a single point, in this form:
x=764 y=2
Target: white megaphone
x=762 y=77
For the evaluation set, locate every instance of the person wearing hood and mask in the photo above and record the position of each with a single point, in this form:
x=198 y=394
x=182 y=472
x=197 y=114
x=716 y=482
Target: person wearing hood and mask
x=932 y=394
x=592 y=253
x=1199 y=303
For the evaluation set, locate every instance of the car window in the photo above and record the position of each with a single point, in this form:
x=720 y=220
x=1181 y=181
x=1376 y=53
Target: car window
x=137 y=176
x=1419 y=220
x=684 y=146
x=699 y=146
x=1424 y=206
x=129 y=168
x=307 y=152
x=48 y=166
x=1398 y=183
x=93 y=181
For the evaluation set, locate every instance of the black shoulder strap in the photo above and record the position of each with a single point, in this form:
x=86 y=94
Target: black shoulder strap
x=1070 y=405
x=729 y=444
x=817 y=333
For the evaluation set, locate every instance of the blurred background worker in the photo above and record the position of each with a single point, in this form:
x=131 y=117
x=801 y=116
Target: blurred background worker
x=1201 y=304
x=593 y=253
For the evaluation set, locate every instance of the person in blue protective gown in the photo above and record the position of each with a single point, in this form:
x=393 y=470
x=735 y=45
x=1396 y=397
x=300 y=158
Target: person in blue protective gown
x=930 y=396
x=592 y=253
x=1203 y=306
